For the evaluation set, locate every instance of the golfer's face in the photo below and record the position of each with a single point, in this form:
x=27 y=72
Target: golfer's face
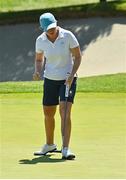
x=52 y=33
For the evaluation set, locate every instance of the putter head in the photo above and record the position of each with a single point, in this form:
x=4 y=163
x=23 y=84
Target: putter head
x=39 y=153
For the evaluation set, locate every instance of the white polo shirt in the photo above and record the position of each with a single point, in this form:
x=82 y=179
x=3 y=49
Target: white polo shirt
x=58 y=56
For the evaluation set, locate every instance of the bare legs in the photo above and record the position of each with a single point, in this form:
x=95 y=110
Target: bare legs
x=65 y=122
x=49 y=112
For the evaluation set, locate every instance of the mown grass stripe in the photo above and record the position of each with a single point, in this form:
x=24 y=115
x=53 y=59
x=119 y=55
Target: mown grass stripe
x=104 y=83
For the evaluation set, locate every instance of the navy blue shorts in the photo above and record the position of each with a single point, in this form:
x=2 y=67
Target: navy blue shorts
x=54 y=92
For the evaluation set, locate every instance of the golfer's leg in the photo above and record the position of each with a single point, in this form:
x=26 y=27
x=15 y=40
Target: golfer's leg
x=67 y=124
x=49 y=112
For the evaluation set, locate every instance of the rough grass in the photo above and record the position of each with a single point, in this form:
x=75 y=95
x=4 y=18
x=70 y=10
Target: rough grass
x=105 y=83
x=16 y=5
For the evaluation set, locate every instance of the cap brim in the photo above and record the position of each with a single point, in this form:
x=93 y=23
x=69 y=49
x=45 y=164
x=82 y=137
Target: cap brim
x=53 y=25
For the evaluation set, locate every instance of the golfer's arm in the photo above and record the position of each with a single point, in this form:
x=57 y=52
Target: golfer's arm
x=39 y=59
x=76 y=53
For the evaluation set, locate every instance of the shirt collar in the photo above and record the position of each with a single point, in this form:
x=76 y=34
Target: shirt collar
x=61 y=34
x=44 y=37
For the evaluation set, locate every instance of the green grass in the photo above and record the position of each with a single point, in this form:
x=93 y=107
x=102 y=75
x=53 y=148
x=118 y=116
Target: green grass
x=16 y=5
x=105 y=83
x=98 y=138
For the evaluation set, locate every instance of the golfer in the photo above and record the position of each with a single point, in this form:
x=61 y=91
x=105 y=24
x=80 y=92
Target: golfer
x=61 y=50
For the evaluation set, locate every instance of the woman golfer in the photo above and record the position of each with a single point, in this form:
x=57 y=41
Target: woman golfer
x=62 y=52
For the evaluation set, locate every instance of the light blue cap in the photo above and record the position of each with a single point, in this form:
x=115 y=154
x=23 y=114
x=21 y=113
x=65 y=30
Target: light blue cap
x=47 y=21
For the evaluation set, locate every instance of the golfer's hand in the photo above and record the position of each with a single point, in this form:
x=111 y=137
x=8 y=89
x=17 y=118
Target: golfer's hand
x=69 y=80
x=36 y=76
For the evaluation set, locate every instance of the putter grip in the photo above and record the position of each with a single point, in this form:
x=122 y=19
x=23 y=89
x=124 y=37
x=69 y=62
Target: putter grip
x=67 y=91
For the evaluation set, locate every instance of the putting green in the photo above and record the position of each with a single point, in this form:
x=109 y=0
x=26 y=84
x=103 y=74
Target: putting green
x=98 y=138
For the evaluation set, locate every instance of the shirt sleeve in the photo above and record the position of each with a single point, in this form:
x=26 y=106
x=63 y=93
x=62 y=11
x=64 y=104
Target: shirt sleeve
x=38 y=46
x=73 y=40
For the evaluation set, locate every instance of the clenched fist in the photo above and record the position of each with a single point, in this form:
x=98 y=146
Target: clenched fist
x=36 y=76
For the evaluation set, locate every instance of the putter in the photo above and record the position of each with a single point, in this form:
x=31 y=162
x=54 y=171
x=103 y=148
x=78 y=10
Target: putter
x=71 y=157
x=41 y=154
x=65 y=110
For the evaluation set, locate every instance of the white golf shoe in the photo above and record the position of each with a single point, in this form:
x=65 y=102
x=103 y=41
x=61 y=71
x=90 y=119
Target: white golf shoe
x=67 y=154
x=46 y=149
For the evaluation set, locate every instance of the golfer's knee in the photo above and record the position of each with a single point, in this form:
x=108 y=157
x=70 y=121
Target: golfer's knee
x=49 y=113
x=65 y=114
x=48 y=116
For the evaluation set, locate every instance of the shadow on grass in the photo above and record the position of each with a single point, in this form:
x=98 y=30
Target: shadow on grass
x=41 y=159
